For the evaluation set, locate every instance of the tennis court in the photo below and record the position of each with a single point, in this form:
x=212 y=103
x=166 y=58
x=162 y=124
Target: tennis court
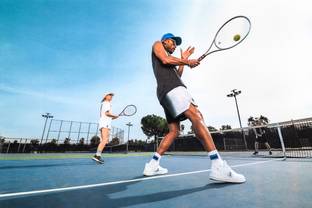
x=74 y=180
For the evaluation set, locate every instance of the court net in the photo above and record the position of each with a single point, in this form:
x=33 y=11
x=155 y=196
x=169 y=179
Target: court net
x=291 y=139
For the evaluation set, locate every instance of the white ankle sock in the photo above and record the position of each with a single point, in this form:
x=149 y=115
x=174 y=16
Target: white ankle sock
x=214 y=157
x=155 y=159
x=98 y=153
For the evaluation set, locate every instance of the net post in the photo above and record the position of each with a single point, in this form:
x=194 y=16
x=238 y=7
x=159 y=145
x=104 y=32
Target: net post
x=280 y=135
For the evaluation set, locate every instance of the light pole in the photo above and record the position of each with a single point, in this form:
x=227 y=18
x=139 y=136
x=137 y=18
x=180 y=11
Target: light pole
x=129 y=125
x=46 y=116
x=234 y=93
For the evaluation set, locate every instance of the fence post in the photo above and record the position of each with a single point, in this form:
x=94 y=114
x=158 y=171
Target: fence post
x=89 y=126
x=59 y=133
x=19 y=145
x=25 y=145
x=49 y=131
x=79 y=132
x=97 y=130
x=70 y=128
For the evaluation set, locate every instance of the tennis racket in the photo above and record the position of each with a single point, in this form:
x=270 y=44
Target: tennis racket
x=129 y=110
x=230 y=34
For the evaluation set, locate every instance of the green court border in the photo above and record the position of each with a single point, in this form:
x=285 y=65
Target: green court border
x=47 y=156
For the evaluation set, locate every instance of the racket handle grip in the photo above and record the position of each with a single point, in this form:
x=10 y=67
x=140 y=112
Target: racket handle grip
x=202 y=57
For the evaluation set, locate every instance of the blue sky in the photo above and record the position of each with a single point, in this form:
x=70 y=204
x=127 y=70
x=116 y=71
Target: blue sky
x=61 y=56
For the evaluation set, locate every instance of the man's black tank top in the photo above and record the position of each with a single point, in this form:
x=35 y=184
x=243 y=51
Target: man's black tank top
x=166 y=76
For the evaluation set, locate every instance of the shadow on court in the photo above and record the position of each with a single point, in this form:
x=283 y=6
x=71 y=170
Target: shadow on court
x=99 y=197
x=86 y=163
x=270 y=183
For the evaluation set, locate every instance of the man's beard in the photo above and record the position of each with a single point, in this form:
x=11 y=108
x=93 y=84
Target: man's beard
x=167 y=50
x=170 y=52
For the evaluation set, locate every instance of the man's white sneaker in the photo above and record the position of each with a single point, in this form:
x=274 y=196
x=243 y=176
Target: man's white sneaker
x=223 y=172
x=152 y=170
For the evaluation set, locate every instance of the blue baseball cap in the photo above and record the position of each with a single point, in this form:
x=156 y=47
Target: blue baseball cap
x=177 y=39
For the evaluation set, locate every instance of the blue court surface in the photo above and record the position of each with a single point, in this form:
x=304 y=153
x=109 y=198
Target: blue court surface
x=80 y=182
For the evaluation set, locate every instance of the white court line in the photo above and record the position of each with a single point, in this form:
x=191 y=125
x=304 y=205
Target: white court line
x=119 y=182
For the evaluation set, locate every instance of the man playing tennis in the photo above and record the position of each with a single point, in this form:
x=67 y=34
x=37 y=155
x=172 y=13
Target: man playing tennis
x=106 y=117
x=179 y=105
x=260 y=132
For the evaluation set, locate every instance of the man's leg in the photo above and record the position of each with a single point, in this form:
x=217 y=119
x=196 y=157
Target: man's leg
x=174 y=129
x=153 y=167
x=200 y=129
x=256 y=148
x=268 y=147
x=101 y=146
x=220 y=171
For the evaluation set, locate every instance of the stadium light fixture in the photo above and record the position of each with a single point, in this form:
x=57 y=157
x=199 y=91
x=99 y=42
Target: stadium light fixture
x=234 y=93
x=129 y=125
x=46 y=116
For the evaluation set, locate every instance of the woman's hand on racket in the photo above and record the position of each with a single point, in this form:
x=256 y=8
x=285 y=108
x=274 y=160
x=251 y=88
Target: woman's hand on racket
x=111 y=115
x=114 y=117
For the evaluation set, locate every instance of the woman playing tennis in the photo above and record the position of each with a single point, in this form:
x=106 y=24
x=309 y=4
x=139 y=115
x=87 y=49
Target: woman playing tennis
x=106 y=117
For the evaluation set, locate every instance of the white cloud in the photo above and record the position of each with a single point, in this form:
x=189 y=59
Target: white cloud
x=36 y=94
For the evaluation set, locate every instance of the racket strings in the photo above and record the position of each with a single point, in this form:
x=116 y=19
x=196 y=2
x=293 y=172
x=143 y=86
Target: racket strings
x=129 y=110
x=232 y=33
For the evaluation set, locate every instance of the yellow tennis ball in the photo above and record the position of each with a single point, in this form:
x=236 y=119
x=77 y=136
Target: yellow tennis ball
x=236 y=37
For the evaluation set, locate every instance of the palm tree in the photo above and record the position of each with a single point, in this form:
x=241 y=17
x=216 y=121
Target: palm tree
x=153 y=125
x=67 y=141
x=95 y=140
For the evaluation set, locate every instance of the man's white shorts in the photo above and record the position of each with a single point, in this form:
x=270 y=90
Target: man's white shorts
x=177 y=101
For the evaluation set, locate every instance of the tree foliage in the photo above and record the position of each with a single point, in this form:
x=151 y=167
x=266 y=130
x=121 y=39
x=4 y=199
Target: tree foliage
x=153 y=125
x=82 y=141
x=67 y=141
x=53 y=142
x=212 y=129
x=95 y=140
x=115 y=141
x=226 y=127
x=2 y=140
x=34 y=142
x=264 y=118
